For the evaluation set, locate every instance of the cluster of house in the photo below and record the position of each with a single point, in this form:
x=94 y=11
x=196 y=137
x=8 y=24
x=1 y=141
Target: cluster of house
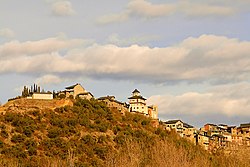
x=211 y=136
x=137 y=103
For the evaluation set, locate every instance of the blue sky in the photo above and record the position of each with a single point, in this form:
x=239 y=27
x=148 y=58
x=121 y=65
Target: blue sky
x=190 y=57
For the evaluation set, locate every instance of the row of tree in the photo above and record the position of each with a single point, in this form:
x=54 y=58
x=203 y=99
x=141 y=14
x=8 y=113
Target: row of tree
x=33 y=89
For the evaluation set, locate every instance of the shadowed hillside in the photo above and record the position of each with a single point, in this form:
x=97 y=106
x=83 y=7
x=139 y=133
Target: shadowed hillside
x=87 y=133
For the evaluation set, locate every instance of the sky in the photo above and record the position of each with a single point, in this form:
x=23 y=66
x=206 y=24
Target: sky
x=190 y=57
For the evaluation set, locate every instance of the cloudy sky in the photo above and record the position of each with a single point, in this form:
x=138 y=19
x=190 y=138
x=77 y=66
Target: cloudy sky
x=190 y=57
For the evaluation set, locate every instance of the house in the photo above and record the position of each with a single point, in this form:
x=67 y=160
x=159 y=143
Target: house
x=189 y=132
x=114 y=104
x=217 y=141
x=137 y=103
x=244 y=130
x=86 y=95
x=41 y=96
x=210 y=127
x=75 y=91
x=202 y=139
x=176 y=125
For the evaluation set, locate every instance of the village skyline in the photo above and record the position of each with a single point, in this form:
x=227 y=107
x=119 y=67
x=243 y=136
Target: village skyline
x=190 y=58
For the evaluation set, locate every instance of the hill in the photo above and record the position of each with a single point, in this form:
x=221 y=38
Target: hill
x=87 y=133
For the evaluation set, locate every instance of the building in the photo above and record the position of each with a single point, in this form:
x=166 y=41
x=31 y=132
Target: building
x=176 y=125
x=114 y=104
x=75 y=91
x=189 y=132
x=202 y=139
x=42 y=96
x=210 y=127
x=153 y=111
x=137 y=103
x=244 y=131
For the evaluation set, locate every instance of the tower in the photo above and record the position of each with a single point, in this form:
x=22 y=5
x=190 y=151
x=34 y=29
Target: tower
x=137 y=103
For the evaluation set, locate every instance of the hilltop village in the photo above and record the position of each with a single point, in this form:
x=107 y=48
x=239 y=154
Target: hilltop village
x=211 y=137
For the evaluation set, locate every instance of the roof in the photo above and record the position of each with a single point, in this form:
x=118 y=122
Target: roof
x=106 y=97
x=137 y=97
x=210 y=124
x=72 y=87
x=218 y=135
x=41 y=93
x=136 y=91
x=172 y=121
x=110 y=98
x=86 y=93
x=246 y=125
x=187 y=125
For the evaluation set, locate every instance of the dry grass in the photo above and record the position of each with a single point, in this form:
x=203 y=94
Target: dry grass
x=138 y=154
x=166 y=154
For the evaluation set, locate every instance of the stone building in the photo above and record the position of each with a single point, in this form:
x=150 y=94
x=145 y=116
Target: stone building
x=76 y=91
x=114 y=104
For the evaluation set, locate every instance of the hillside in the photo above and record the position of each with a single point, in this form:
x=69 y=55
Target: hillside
x=87 y=133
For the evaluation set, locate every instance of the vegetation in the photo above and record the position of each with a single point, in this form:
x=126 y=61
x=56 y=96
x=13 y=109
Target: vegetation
x=90 y=134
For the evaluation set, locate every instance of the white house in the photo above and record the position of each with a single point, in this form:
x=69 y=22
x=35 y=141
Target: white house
x=137 y=103
x=42 y=96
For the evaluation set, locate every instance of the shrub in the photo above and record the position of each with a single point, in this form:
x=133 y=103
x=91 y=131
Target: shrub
x=85 y=122
x=72 y=122
x=27 y=130
x=4 y=134
x=32 y=151
x=17 y=138
x=54 y=132
x=89 y=140
x=15 y=151
x=102 y=127
x=102 y=139
x=120 y=139
x=1 y=144
x=116 y=129
x=100 y=151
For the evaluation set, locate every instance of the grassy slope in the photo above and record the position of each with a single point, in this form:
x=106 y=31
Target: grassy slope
x=89 y=134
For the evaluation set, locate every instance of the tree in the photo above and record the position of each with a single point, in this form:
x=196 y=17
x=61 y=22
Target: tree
x=25 y=92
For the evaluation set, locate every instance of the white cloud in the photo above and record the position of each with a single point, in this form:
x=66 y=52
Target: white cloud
x=48 y=79
x=147 y=9
x=63 y=8
x=38 y=47
x=209 y=58
x=201 y=10
x=190 y=8
x=6 y=33
x=227 y=100
x=121 y=17
x=117 y=40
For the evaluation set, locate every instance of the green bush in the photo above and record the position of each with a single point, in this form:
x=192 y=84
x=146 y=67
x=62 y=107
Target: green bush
x=4 y=134
x=54 y=132
x=100 y=151
x=89 y=140
x=18 y=138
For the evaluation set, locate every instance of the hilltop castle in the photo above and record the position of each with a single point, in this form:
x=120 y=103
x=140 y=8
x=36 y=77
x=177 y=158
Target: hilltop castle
x=137 y=103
